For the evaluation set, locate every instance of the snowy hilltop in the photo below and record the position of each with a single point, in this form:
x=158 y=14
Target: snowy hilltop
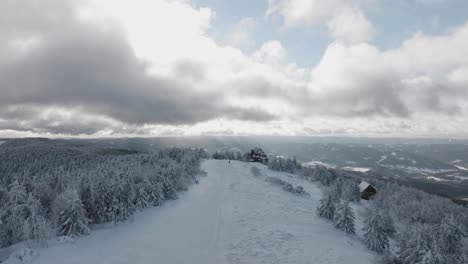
x=231 y=216
x=75 y=204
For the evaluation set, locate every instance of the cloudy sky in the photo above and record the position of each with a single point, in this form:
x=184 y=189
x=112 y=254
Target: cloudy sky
x=246 y=67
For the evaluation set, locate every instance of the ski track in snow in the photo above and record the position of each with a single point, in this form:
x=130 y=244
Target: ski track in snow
x=231 y=216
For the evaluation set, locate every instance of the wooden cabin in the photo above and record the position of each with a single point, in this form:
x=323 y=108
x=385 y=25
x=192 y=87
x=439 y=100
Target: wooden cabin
x=366 y=190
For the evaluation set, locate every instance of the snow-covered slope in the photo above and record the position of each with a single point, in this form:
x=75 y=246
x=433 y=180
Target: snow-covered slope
x=231 y=216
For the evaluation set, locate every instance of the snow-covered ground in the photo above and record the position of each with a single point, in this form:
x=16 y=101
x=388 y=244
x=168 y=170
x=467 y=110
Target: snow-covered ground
x=461 y=168
x=317 y=162
x=357 y=169
x=231 y=216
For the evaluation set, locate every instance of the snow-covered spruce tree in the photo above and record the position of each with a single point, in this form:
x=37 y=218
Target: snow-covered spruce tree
x=104 y=191
x=156 y=195
x=169 y=190
x=389 y=224
x=114 y=199
x=35 y=226
x=350 y=191
x=433 y=256
x=326 y=207
x=449 y=235
x=122 y=205
x=324 y=175
x=335 y=191
x=463 y=258
x=273 y=164
x=344 y=218
x=289 y=166
x=420 y=247
x=142 y=197
x=87 y=197
x=17 y=194
x=72 y=219
x=375 y=237
x=14 y=214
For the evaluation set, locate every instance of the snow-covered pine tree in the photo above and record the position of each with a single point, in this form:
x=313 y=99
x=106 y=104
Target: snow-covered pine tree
x=17 y=194
x=433 y=256
x=142 y=198
x=72 y=219
x=123 y=206
x=156 y=195
x=421 y=248
x=35 y=226
x=350 y=191
x=326 y=207
x=335 y=191
x=463 y=258
x=296 y=164
x=344 y=218
x=449 y=235
x=324 y=175
x=375 y=237
x=87 y=197
x=169 y=190
x=389 y=224
x=289 y=166
x=13 y=215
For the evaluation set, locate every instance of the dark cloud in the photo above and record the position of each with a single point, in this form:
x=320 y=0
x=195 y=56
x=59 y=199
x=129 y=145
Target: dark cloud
x=74 y=64
x=89 y=75
x=376 y=98
x=189 y=70
x=259 y=87
x=251 y=114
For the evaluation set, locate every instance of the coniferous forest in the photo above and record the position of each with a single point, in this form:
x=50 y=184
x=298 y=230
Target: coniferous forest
x=424 y=228
x=51 y=190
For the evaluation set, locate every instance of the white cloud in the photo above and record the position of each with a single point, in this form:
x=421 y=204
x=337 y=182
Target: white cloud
x=344 y=19
x=300 y=12
x=423 y=76
x=160 y=31
x=350 y=25
x=355 y=88
x=459 y=77
x=271 y=52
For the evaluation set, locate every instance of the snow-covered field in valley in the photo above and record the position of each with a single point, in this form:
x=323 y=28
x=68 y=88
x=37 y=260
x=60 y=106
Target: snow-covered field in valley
x=231 y=216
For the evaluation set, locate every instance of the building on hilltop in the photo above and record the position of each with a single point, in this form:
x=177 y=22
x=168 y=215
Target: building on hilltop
x=366 y=190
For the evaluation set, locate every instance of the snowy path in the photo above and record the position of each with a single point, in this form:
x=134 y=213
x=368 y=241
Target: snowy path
x=231 y=216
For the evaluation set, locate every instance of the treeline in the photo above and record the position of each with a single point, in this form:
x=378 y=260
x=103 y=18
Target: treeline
x=289 y=165
x=229 y=155
x=286 y=186
x=48 y=190
x=425 y=228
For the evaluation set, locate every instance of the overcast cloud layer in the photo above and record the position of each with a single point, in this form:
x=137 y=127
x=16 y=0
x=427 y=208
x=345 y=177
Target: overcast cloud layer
x=150 y=67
